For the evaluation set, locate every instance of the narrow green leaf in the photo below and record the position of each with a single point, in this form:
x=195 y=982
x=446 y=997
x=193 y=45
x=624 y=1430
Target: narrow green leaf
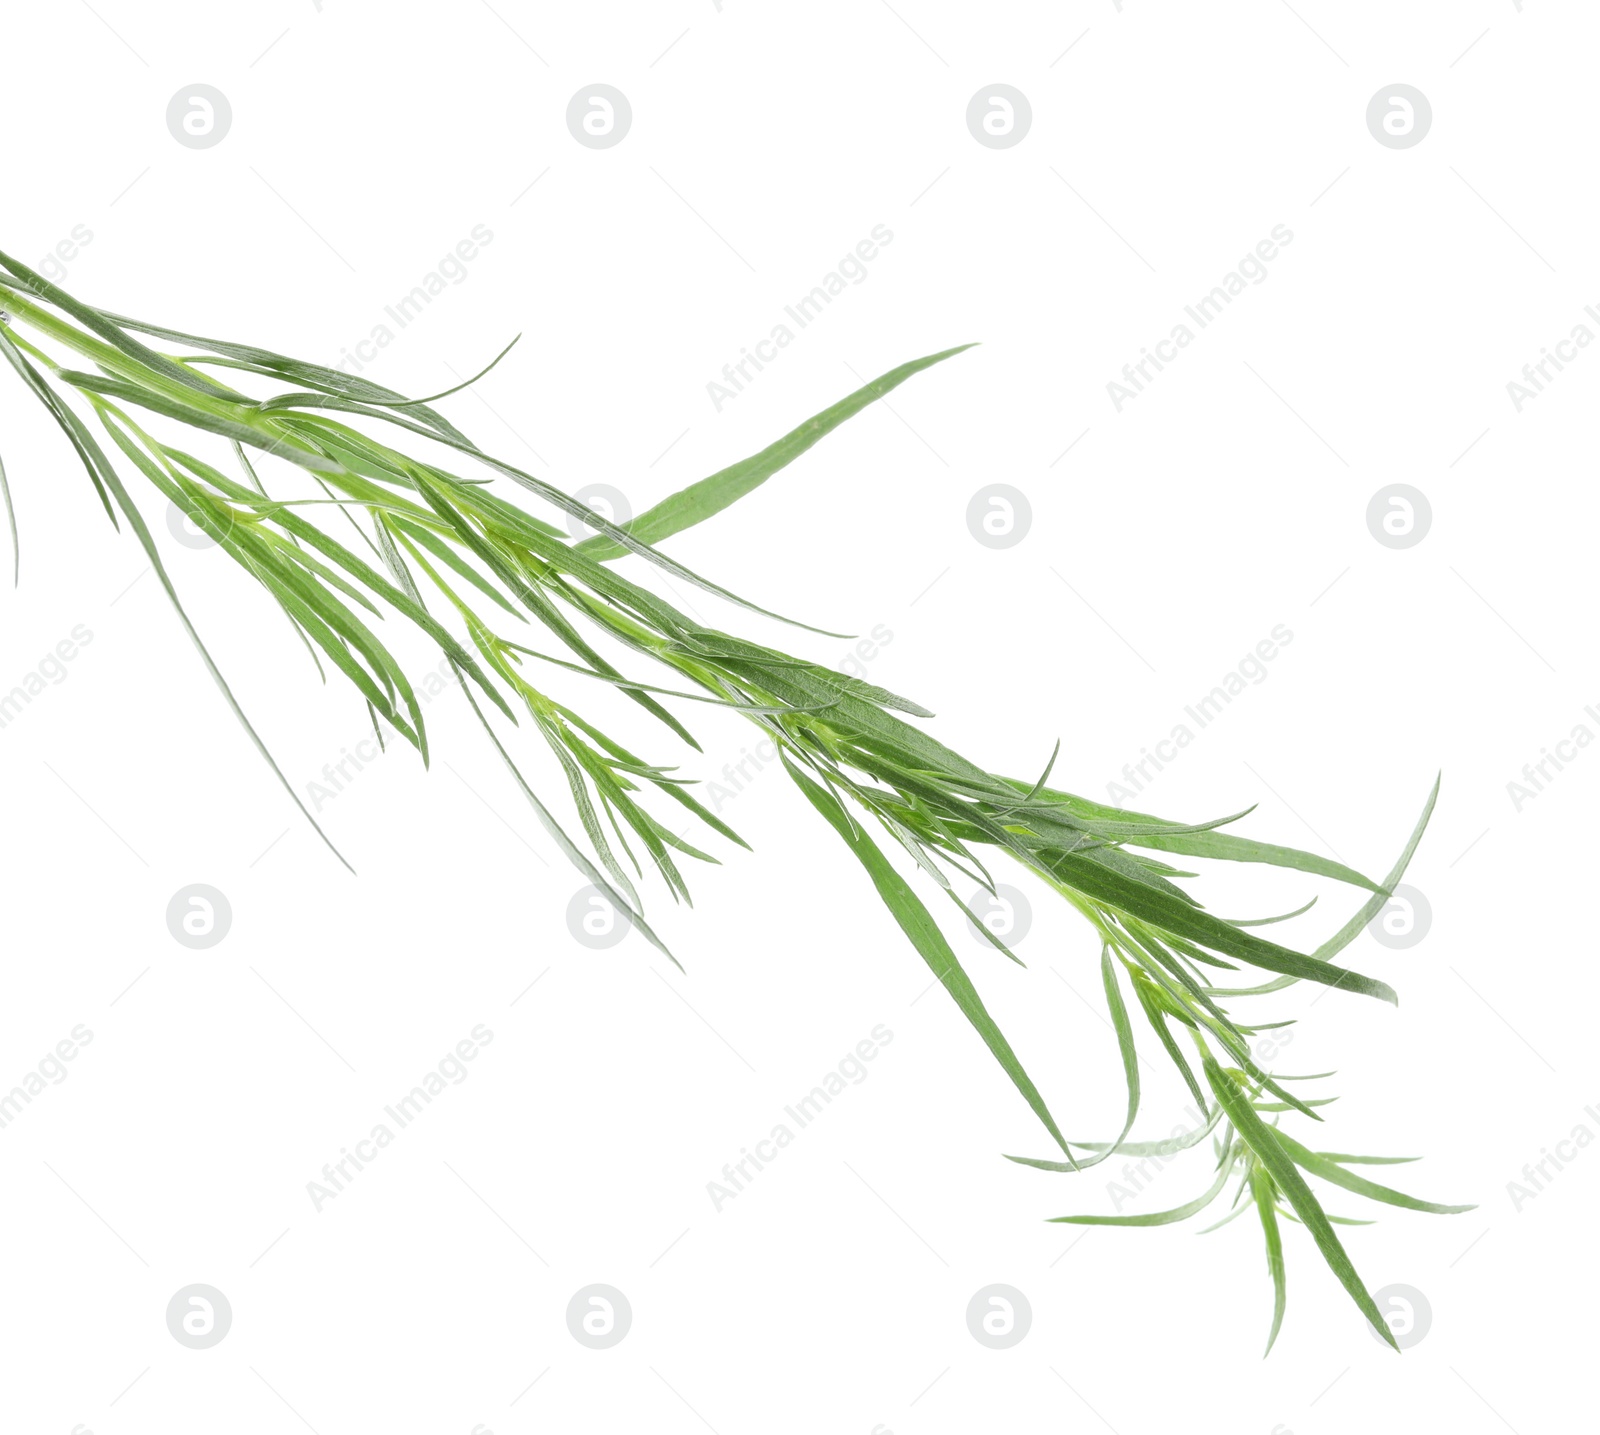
x=1156 y=1218
x=1098 y=881
x=924 y=934
x=1130 y=1054
x=709 y=496
x=1277 y=984
x=98 y=324
x=1375 y=904
x=571 y=506
x=1289 y=1215
x=448 y=556
x=1270 y=921
x=1145 y=990
x=11 y=522
x=108 y=474
x=278 y=366
x=64 y=417
x=1164 y=1149
x=1365 y=1160
x=1331 y=1171
x=1221 y=846
x=1261 y=1188
x=672 y=789
x=1264 y=1141
x=568 y=848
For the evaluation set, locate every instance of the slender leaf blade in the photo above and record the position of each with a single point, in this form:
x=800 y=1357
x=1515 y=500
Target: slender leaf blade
x=1264 y=1142
x=709 y=496
x=924 y=933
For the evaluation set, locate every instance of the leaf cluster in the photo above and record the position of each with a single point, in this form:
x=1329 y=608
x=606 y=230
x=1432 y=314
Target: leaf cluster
x=402 y=519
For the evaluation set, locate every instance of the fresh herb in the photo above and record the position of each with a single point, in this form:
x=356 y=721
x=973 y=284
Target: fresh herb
x=412 y=530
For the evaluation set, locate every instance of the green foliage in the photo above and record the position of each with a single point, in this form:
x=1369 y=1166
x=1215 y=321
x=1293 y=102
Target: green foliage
x=437 y=536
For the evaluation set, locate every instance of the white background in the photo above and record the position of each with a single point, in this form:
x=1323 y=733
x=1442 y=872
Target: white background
x=1229 y=498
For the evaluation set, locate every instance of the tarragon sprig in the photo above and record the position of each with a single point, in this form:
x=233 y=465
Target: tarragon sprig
x=411 y=530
